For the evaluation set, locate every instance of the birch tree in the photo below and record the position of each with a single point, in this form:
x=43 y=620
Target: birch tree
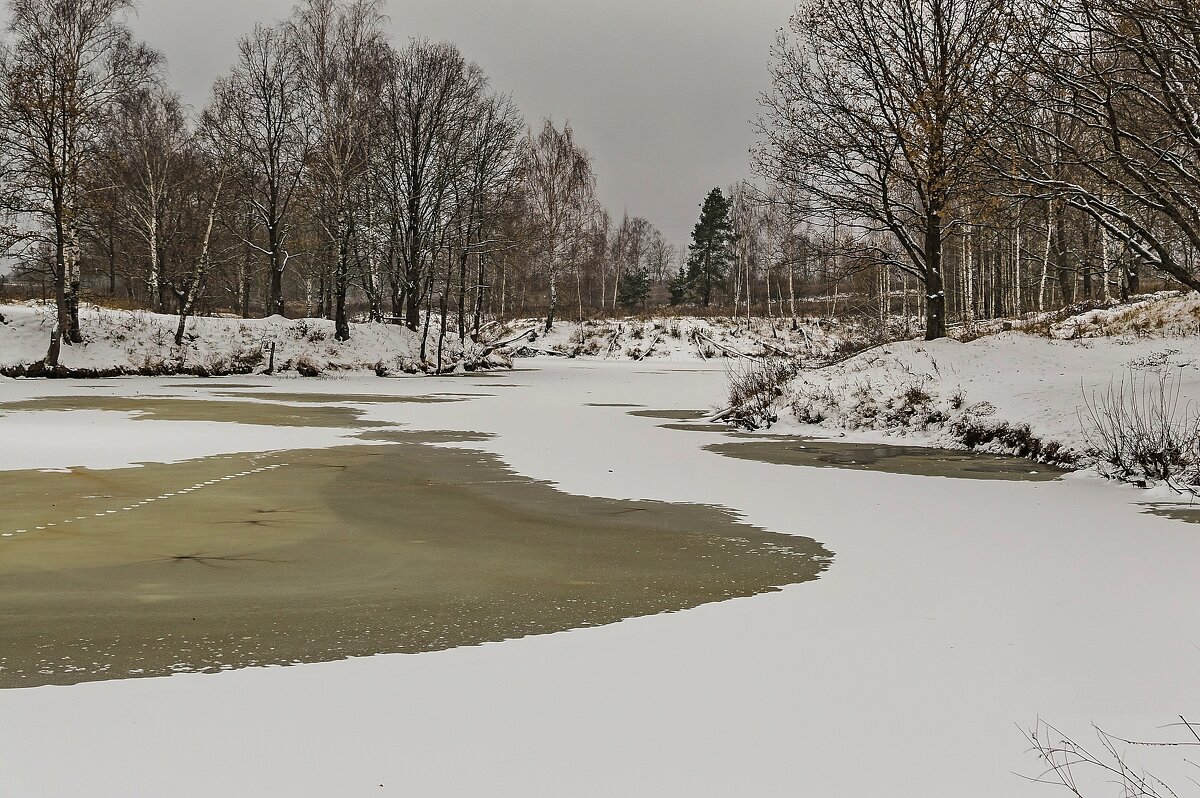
x=560 y=188
x=66 y=65
x=144 y=151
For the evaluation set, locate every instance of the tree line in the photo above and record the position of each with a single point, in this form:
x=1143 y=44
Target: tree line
x=1002 y=156
x=331 y=173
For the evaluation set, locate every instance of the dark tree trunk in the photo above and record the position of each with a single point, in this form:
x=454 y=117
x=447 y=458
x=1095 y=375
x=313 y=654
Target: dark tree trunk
x=935 y=289
x=342 y=279
x=479 y=295
x=1088 y=264
x=462 y=294
x=278 y=264
x=1062 y=268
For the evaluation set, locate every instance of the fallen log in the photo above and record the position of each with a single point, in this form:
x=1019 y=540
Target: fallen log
x=724 y=348
x=488 y=349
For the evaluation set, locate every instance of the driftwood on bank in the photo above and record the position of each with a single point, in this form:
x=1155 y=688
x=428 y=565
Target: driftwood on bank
x=497 y=344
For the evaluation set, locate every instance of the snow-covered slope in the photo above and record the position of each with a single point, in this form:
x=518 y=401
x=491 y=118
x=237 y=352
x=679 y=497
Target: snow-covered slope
x=136 y=342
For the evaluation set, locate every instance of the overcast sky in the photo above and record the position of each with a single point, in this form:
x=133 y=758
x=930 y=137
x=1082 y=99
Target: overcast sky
x=661 y=92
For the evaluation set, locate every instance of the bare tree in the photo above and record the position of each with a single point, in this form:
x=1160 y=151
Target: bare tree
x=145 y=145
x=560 y=187
x=257 y=114
x=192 y=284
x=660 y=254
x=878 y=112
x=342 y=58
x=1116 y=100
x=484 y=192
x=431 y=102
x=67 y=64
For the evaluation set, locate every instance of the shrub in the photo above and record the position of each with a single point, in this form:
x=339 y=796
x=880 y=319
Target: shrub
x=305 y=367
x=756 y=386
x=1141 y=431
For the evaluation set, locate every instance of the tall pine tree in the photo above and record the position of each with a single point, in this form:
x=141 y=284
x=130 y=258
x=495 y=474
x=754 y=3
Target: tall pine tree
x=708 y=254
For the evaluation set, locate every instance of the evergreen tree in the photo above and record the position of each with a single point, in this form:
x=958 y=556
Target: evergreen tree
x=634 y=289
x=708 y=254
x=679 y=287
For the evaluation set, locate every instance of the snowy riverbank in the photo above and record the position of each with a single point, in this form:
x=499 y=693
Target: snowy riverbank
x=1010 y=392
x=121 y=342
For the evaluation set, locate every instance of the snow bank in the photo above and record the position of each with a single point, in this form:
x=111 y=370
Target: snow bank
x=1169 y=314
x=1011 y=392
x=137 y=342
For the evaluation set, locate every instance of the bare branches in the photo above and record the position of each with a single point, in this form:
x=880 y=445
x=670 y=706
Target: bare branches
x=66 y=66
x=1084 y=771
x=257 y=115
x=879 y=111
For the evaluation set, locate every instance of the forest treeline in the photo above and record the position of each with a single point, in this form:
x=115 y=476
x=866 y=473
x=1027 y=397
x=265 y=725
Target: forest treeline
x=933 y=160
x=1002 y=156
x=331 y=173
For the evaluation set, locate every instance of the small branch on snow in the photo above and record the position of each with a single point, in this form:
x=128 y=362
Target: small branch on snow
x=650 y=348
x=776 y=350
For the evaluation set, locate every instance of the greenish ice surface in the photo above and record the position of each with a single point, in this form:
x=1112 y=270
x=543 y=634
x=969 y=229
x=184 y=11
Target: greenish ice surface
x=1177 y=511
x=915 y=460
x=672 y=415
x=315 y=555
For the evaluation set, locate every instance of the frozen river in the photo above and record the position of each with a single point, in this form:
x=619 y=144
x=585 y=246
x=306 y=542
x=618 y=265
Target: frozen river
x=961 y=601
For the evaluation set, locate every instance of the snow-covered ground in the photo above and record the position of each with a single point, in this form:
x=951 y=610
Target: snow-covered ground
x=683 y=338
x=954 y=613
x=139 y=342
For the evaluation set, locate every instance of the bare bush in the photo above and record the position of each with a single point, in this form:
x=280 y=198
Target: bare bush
x=1140 y=430
x=755 y=387
x=1084 y=772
